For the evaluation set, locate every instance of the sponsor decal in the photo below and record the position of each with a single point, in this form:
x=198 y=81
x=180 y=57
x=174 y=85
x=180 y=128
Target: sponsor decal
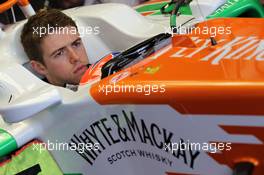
x=168 y=142
x=240 y=48
x=152 y=70
x=140 y=154
x=126 y=128
x=227 y=5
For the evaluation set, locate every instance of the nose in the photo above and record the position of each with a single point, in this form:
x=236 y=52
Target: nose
x=73 y=56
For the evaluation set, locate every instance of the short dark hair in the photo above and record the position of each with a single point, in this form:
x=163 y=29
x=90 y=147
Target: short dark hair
x=31 y=40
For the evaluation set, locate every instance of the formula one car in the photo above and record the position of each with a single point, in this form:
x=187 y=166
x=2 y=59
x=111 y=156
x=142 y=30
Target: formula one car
x=167 y=104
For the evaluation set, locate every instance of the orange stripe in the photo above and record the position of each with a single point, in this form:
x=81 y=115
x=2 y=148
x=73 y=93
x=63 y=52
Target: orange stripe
x=243 y=152
x=147 y=13
x=155 y=1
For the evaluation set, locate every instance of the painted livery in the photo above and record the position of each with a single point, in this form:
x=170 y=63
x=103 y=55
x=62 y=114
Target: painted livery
x=166 y=104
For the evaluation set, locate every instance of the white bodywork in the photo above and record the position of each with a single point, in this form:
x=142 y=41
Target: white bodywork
x=25 y=94
x=31 y=95
x=28 y=10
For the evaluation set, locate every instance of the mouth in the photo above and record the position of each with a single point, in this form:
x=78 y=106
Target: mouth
x=80 y=69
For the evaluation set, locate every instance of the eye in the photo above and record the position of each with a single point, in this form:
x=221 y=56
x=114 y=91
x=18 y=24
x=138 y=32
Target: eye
x=76 y=43
x=59 y=53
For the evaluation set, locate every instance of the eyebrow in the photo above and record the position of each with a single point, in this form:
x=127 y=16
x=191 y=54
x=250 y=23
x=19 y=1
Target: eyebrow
x=54 y=52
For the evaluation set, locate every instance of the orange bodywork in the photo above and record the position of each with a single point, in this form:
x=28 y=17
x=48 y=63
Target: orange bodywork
x=199 y=78
x=23 y=2
x=10 y=3
x=7 y=5
x=155 y=1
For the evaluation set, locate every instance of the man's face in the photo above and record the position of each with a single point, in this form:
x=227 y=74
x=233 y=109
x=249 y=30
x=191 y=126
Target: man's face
x=65 y=58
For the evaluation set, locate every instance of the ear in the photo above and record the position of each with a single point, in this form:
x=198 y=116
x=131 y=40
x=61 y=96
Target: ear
x=39 y=67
